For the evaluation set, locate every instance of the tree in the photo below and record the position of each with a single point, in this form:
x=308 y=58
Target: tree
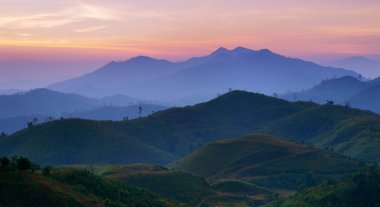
x=46 y=171
x=275 y=95
x=3 y=134
x=329 y=102
x=140 y=111
x=23 y=164
x=30 y=124
x=5 y=163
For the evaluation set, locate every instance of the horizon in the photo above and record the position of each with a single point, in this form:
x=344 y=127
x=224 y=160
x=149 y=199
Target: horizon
x=62 y=40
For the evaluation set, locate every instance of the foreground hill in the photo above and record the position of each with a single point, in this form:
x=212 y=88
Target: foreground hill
x=240 y=68
x=75 y=188
x=183 y=188
x=358 y=190
x=176 y=132
x=266 y=160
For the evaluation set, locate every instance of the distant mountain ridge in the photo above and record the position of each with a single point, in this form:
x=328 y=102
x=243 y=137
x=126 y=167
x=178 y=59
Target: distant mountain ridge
x=240 y=68
x=41 y=105
x=345 y=91
x=365 y=66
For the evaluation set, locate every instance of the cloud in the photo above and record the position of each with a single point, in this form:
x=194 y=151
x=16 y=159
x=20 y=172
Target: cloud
x=76 y=13
x=90 y=29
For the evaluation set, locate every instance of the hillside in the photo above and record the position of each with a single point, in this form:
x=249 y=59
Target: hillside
x=176 y=132
x=70 y=141
x=239 y=68
x=360 y=190
x=267 y=161
x=183 y=188
x=70 y=188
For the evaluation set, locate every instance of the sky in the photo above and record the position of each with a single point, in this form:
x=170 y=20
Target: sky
x=44 y=41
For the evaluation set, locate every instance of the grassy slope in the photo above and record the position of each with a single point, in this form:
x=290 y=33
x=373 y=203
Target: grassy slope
x=183 y=188
x=80 y=141
x=359 y=190
x=267 y=160
x=71 y=188
x=348 y=131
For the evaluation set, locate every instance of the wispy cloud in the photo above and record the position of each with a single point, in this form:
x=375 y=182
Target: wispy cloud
x=76 y=13
x=90 y=29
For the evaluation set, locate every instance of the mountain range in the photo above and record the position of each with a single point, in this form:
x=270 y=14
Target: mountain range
x=345 y=91
x=170 y=134
x=365 y=66
x=241 y=68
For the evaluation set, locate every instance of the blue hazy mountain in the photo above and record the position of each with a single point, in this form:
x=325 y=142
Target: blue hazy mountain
x=337 y=90
x=43 y=102
x=41 y=105
x=241 y=68
x=114 y=113
x=365 y=66
x=345 y=91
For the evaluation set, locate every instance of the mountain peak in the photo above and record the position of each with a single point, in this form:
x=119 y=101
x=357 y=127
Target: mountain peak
x=240 y=50
x=142 y=58
x=220 y=50
x=265 y=51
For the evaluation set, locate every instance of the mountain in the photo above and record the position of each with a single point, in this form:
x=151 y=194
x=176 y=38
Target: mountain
x=176 y=132
x=240 y=68
x=368 y=99
x=345 y=91
x=337 y=90
x=41 y=105
x=107 y=112
x=116 y=113
x=365 y=66
x=359 y=190
x=267 y=161
x=119 y=100
x=123 y=78
x=43 y=102
x=9 y=91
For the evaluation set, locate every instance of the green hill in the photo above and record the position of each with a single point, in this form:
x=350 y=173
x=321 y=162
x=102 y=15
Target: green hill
x=352 y=132
x=167 y=135
x=359 y=190
x=80 y=141
x=267 y=161
x=180 y=187
x=71 y=188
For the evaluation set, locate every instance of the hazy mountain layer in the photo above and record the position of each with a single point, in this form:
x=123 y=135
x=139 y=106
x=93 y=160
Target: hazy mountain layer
x=147 y=78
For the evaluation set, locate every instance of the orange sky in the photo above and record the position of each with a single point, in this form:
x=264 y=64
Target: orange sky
x=80 y=30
